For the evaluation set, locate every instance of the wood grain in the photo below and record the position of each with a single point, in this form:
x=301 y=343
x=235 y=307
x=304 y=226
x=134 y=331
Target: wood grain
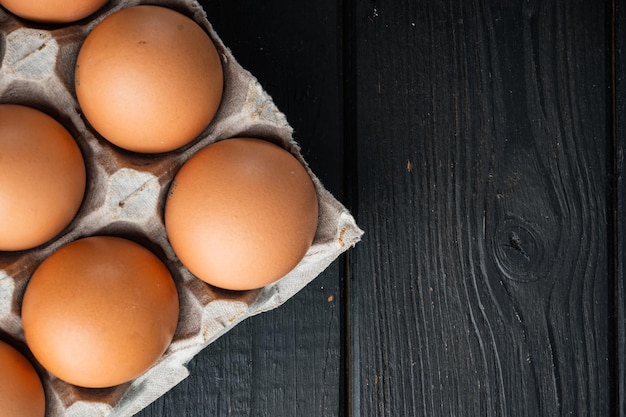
x=286 y=362
x=482 y=285
x=619 y=220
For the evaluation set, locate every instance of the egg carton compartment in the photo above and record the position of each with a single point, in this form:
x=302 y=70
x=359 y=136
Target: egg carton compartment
x=125 y=197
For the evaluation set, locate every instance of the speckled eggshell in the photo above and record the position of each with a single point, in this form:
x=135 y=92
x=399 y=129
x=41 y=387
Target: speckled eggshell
x=148 y=79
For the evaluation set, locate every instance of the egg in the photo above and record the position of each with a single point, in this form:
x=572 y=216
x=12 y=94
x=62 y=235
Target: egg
x=100 y=311
x=21 y=391
x=43 y=177
x=241 y=213
x=53 y=11
x=148 y=79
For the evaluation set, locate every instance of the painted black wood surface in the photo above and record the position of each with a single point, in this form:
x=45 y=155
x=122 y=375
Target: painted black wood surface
x=482 y=287
x=618 y=123
x=480 y=146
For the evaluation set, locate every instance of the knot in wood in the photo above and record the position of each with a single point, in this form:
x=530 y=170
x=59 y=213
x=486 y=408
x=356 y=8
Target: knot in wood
x=518 y=250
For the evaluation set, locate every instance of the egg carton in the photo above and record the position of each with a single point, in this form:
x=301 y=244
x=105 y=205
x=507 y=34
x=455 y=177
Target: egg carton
x=125 y=197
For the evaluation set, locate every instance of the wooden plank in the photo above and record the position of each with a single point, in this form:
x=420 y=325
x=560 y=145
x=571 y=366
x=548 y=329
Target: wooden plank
x=619 y=221
x=482 y=285
x=286 y=361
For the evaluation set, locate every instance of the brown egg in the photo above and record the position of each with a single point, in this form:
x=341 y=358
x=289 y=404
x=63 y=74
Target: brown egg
x=43 y=177
x=21 y=392
x=241 y=213
x=100 y=311
x=53 y=11
x=148 y=79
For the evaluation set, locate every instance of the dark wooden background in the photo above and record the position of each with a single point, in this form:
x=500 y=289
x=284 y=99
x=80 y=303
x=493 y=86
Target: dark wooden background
x=480 y=146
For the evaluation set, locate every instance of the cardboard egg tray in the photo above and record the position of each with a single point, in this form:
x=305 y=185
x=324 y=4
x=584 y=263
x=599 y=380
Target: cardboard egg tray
x=125 y=197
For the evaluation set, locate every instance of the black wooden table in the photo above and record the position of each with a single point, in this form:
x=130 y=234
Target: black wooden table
x=480 y=146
